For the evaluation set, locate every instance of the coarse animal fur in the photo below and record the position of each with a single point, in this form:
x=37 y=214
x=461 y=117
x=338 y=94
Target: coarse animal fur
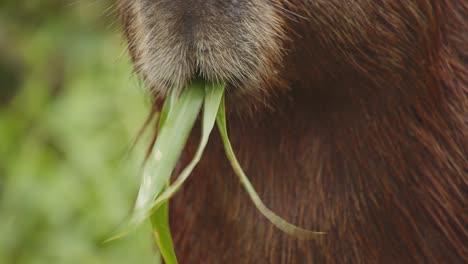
x=349 y=116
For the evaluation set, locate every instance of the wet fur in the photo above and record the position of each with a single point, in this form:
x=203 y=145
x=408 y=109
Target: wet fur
x=365 y=139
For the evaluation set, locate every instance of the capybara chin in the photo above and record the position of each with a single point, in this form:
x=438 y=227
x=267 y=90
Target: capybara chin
x=349 y=117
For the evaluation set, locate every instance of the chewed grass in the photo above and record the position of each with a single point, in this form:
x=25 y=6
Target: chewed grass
x=176 y=120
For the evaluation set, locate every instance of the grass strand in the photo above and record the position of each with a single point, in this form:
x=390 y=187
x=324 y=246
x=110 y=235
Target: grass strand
x=276 y=220
x=213 y=97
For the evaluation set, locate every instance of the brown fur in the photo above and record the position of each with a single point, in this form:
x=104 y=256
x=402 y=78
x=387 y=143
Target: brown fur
x=365 y=139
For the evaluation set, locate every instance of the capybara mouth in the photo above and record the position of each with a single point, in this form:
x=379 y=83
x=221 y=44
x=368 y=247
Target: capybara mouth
x=235 y=42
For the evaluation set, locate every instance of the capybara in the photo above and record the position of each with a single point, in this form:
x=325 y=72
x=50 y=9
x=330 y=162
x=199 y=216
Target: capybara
x=349 y=117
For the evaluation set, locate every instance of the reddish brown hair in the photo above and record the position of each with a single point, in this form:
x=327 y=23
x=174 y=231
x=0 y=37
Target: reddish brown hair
x=365 y=140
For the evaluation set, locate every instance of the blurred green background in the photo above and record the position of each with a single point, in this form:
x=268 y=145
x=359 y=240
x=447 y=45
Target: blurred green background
x=70 y=108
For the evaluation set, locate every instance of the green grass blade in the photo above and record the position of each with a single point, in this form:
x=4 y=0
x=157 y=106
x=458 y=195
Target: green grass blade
x=167 y=108
x=160 y=217
x=176 y=122
x=213 y=96
x=167 y=149
x=270 y=215
x=162 y=233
